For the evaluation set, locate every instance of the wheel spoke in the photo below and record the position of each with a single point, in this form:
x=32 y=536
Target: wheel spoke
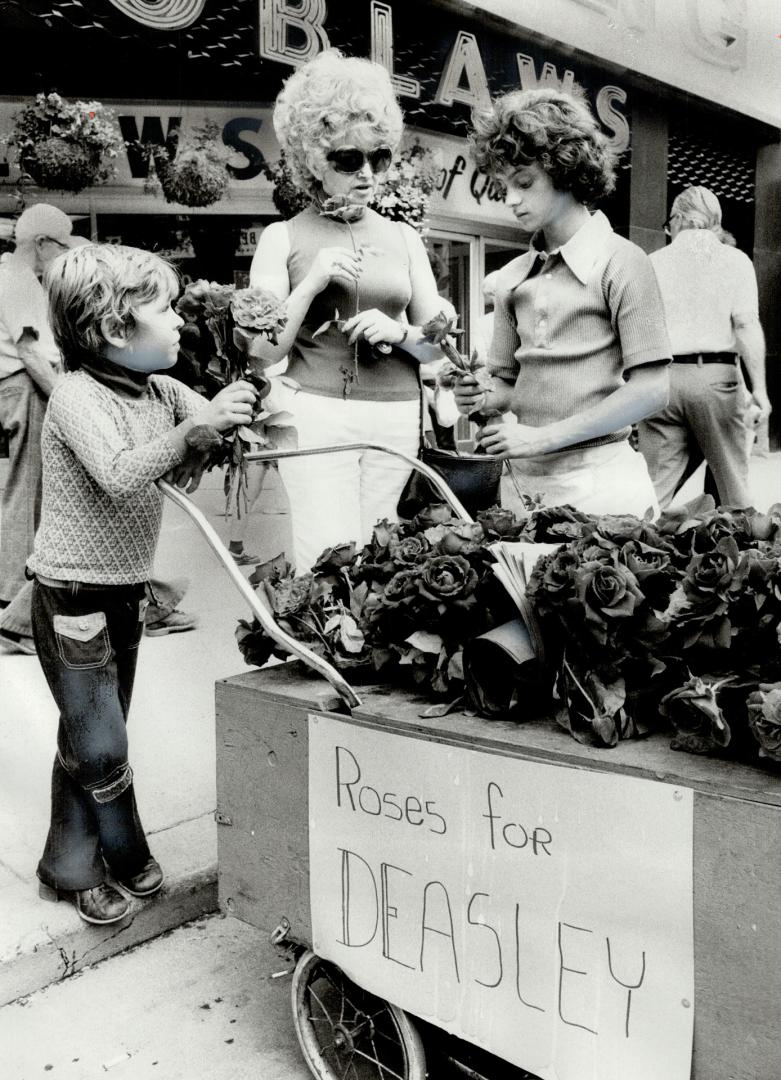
x=384 y=1070
x=327 y=1015
x=388 y=1071
x=327 y=972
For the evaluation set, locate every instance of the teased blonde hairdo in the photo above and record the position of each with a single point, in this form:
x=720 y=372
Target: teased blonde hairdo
x=102 y=282
x=322 y=99
x=698 y=208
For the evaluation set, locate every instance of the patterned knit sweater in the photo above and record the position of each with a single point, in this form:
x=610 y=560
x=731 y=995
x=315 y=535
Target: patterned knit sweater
x=102 y=452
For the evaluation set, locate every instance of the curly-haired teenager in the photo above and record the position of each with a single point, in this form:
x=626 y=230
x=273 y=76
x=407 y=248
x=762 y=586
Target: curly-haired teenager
x=580 y=348
x=111 y=429
x=339 y=124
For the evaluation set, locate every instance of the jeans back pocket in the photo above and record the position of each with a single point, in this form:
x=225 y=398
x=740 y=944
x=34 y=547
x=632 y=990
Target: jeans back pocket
x=82 y=640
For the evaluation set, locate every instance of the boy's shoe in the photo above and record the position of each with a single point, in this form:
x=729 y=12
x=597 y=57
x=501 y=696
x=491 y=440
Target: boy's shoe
x=243 y=558
x=100 y=905
x=17 y=643
x=146 y=882
x=176 y=622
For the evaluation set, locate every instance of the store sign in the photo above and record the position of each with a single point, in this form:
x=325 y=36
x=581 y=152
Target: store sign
x=725 y=51
x=294 y=33
x=541 y=912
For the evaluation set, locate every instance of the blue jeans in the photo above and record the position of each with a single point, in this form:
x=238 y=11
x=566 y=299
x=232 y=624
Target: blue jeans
x=87 y=638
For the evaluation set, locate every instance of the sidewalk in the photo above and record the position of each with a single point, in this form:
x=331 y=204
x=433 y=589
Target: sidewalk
x=172 y=751
x=172 y=747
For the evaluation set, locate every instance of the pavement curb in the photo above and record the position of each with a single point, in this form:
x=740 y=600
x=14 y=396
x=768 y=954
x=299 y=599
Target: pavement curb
x=48 y=942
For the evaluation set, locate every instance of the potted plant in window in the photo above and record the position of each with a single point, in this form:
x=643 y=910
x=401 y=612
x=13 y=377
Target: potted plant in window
x=65 y=146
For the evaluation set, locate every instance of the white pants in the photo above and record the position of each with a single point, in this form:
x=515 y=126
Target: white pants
x=335 y=498
x=611 y=479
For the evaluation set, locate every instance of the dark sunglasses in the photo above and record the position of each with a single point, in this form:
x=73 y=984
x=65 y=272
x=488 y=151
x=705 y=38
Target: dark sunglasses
x=349 y=159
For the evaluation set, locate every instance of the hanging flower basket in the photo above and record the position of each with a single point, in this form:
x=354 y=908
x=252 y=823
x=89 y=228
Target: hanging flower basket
x=65 y=146
x=192 y=179
x=62 y=166
x=196 y=173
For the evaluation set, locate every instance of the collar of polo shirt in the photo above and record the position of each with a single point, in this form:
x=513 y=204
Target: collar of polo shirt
x=581 y=252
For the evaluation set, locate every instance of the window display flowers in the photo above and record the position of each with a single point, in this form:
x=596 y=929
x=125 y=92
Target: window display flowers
x=66 y=146
x=406 y=190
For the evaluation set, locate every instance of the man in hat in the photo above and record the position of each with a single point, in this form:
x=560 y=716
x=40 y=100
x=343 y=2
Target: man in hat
x=709 y=291
x=29 y=368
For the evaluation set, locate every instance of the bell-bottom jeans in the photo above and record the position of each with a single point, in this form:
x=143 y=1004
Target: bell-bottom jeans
x=87 y=638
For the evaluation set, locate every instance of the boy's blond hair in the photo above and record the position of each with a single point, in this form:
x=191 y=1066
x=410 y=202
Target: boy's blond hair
x=98 y=286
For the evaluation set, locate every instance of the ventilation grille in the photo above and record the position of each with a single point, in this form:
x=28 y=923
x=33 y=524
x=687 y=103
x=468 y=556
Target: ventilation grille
x=729 y=173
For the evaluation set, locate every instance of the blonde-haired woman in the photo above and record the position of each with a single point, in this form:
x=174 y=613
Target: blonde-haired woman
x=339 y=124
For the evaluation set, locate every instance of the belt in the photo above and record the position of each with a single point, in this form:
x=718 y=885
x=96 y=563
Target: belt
x=705 y=358
x=82 y=586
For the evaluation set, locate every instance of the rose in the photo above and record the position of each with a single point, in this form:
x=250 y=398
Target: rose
x=334 y=558
x=699 y=723
x=708 y=576
x=290 y=595
x=560 y=523
x=439 y=328
x=764 y=719
x=553 y=578
x=644 y=561
x=499 y=524
x=607 y=593
x=433 y=514
x=401 y=586
x=447 y=577
x=621 y=527
x=340 y=208
x=258 y=309
x=409 y=550
x=465 y=539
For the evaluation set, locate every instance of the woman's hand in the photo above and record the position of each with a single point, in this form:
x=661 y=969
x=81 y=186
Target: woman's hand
x=334 y=264
x=510 y=440
x=374 y=326
x=230 y=408
x=468 y=394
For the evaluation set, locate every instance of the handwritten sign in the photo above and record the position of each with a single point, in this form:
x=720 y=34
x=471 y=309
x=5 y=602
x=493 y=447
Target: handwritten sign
x=541 y=912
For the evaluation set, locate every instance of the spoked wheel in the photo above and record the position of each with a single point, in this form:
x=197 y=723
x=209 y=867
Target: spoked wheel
x=348 y=1034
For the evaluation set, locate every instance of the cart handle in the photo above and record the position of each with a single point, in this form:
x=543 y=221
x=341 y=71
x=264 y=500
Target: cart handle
x=259 y=610
x=261 y=613
x=439 y=484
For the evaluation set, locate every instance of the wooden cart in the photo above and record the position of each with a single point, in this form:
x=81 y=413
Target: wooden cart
x=266 y=773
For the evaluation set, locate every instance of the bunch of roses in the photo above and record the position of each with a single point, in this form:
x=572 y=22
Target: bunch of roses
x=234 y=320
x=401 y=608
x=679 y=618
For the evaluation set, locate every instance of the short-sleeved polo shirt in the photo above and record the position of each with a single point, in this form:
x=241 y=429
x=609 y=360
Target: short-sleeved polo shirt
x=707 y=287
x=568 y=323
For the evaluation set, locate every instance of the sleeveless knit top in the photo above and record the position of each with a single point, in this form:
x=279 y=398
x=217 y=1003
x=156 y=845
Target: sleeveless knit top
x=319 y=364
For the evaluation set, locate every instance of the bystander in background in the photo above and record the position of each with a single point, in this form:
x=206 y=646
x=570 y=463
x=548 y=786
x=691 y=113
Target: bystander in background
x=29 y=369
x=709 y=291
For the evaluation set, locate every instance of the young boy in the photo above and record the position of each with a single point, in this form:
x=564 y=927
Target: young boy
x=111 y=430
x=580 y=348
